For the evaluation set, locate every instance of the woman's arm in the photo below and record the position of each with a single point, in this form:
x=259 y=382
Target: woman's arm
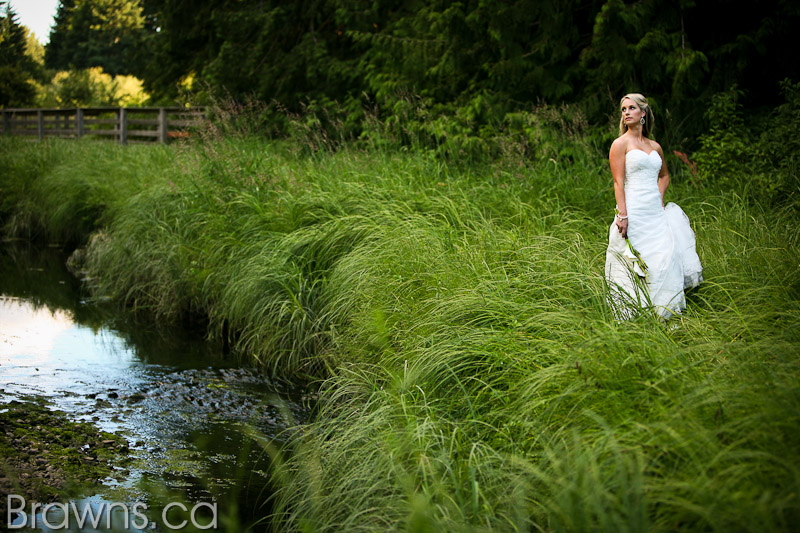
x=616 y=160
x=663 y=176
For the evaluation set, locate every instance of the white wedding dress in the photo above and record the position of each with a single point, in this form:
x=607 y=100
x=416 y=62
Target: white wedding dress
x=664 y=240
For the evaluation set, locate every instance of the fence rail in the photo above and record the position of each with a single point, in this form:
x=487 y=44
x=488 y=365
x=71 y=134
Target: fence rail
x=125 y=124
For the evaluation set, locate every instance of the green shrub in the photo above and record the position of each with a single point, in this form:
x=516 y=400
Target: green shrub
x=756 y=158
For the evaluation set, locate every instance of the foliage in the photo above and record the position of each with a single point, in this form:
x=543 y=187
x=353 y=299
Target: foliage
x=17 y=67
x=779 y=140
x=462 y=136
x=761 y=161
x=95 y=33
x=644 y=45
x=440 y=74
x=33 y=48
x=356 y=60
x=91 y=87
x=725 y=151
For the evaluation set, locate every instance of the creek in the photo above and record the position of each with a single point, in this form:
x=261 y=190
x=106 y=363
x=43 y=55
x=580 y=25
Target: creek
x=198 y=423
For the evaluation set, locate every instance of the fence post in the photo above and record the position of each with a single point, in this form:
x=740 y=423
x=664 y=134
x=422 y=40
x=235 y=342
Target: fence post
x=40 y=124
x=123 y=125
x=6 y=123
x=162 y=125
x=79 y=122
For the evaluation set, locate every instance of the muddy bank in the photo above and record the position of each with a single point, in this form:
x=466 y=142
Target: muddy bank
x=46 y=456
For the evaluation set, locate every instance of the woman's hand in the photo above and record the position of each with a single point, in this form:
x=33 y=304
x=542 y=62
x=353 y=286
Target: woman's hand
x=622 y=226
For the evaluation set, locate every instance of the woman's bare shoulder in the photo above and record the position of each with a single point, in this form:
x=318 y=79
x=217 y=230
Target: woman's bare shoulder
x=655 y=146
x=620 y=145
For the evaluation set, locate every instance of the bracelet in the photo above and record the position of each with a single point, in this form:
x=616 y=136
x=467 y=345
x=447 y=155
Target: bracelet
x=622 y=217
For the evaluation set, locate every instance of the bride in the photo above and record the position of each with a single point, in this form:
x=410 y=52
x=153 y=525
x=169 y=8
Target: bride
x=651 y=257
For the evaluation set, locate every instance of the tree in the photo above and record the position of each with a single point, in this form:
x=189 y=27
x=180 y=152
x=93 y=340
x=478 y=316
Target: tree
x=95 y=33
x=16 y=66
x=33 y=48
x=57 y=51
x=482 y=58
x=277 y=50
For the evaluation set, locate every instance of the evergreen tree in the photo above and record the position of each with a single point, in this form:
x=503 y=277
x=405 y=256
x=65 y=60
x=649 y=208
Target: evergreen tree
x=57 y=51
x=276 y=50
x=681 y=53
x=482 y=57
x=95 y=33
x=16 y=66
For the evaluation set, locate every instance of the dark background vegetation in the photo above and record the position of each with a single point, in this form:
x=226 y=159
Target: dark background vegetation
x=475 y=60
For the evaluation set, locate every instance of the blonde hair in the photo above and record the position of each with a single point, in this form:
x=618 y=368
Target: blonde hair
x=649 y=119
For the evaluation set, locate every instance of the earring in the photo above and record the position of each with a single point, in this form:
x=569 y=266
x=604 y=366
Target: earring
x=642 y=120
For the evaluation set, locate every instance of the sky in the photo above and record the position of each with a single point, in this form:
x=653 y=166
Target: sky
x=36 y=15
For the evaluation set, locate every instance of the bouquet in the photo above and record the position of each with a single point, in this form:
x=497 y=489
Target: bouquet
x=635 y=260
x=633 y=257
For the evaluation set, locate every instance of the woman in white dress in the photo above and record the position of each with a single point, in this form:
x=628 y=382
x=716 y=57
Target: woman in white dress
x=651 y=257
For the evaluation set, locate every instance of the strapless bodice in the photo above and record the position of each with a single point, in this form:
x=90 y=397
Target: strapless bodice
x=641 y=168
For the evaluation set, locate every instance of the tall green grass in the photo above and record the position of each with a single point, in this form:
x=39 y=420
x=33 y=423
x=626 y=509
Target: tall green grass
x=472 y=376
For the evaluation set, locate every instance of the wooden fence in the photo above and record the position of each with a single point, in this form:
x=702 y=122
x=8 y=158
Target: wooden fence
x=124 y=124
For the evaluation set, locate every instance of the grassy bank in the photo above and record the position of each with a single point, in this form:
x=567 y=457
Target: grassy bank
x=474 y=378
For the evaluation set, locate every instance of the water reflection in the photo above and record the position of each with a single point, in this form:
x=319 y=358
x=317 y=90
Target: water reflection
x=42 y=351
x=26 y=329
x=186 y=410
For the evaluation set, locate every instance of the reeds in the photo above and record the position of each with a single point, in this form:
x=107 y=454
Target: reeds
x=472 y=376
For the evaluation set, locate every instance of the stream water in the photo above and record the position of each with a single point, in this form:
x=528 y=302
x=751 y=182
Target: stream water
x=197 y=421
